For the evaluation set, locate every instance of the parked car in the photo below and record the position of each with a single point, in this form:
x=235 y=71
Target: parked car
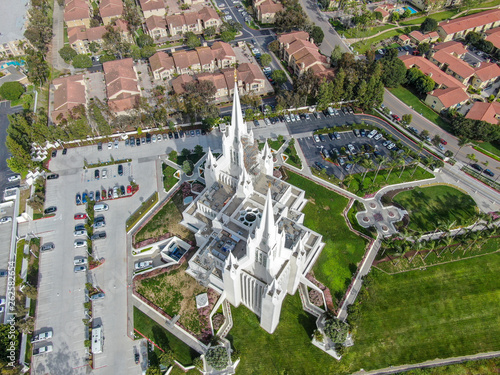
x=97 y=296
x=82 y=232
x=110 y=193
x=120 y=170
x=43 y=350
x=316 y=138
x=50 y=210
x=52 y=176
x=322 y=138
x=98 y=236
x=489 y=173
x=79 y=243
x=80 y=261
x=104 y=174
x=84 y=198
x=42 y=336
x=122 y=190
x=378 y=136
x=96 y=174
x=78 y=198
x=395 y=117
x=443 y=142
x=129 y=189
x=80 y=216
x=65 y=151
x=91 y=196
x=16 y=177
x=143 y=264
x=54 y=153
x=47 y=247
x=79 y=269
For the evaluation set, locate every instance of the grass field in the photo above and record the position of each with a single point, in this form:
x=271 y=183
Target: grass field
x=343 y=249
x=369 y=187
x=429 y=207
x=363 y=46
x=163 y=338
x=445 y=311
x=353 y=33
x=488 y=148
x=440 y=16
x=168 y=177
x=410 y=99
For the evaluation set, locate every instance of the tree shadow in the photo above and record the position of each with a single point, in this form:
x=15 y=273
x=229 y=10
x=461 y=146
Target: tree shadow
x=307 y=322
x=160 y=338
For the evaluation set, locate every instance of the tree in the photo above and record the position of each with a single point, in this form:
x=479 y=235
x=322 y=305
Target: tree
x=292 y=17
x=187 y=167
x=12 y=90
x=227 y=36
x=153 y=370
x=26 y=325
x=132 y=15
x=317 y=34
x=148 y=51
x=67 y=53
x=394 y=17
x=198 y=150
x=429 y=24
x=198 y=99
x=406 y=13
x=425 y=84
x=167 y=358
x=185 y=152
x=393 y=71
x=279 y=76
x=336 y=330
x=82 y=61
x=472 y=158
x=144 y=40
x=336 y=55
x=39 y=30
x=38 y=69
x=192 y=40
x=462 y=141
x=473 y=38
x=217 y=357
x=423 y=48
x=274 y=46
x=30 y=291
x=265 y=59
x=407 y=118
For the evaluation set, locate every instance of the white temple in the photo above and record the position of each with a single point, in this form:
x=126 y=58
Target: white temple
x=253 y=246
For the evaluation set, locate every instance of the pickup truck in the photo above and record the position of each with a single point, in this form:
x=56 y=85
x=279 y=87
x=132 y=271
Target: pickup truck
x=42 y=336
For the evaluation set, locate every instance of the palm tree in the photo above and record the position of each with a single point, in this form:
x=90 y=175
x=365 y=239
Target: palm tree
x=392 y=165
x=474 y=236
x=403 y=161
x=381 y=161
x=367 y=164
x=416 y=161
x=349 y=179
x=448 y=240
x=462 y=141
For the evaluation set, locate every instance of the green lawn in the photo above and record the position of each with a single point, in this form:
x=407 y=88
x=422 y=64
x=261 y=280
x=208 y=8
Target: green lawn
x=343 y=249
x=168 y=177
x=141 y=210
x=430 y=206
x=445 y=311
x=488 y=148
x=275 y=145
x=352 y=33
x=19 y=261
x=410 y=99
x=440 y=16
x=163 y=338
x=483 y=367
x=293 y=158
x=368 y=186
x=363 y=46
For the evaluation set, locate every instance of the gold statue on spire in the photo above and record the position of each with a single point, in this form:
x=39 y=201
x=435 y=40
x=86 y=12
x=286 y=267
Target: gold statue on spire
x=235 y=74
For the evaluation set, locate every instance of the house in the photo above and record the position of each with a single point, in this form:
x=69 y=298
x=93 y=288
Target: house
x=489 y=112
x=450 y=47
x=223 y=54
x=485 y=75
x=459 y=27
x=250 y=78
x=80 y=37
x=12 y=73
x=156 y=27
x=266 y=10
x=442 y=79
x=493 y=36
x=441 y=99
x=69 y=92
x=121 y=84
x=110 y=9
x=301 y=54
x=153 y=8
x=385 y=14
x=186 y=62
x=77 y=13
x=417 y=37
x=195 y=22
x=162 y=66
x=12 y=48
x=386 y=9
x=219 y=81
x=427 y=5
x=179 y=82
x=404 y=40
x=453 y=66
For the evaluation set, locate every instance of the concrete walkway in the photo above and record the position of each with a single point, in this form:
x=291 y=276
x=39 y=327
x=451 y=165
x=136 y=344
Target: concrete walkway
x=58 y=38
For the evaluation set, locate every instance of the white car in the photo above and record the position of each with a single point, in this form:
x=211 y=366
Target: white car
x=116 y=143
x=316 y=138
x=287 y=118
x=228 y=18
x=14 y=178
x=42 y=336
x=43 y=349
x=80 y=261
x=142 y=265
x=110 y=145
x=2 y=301
x=80 y=243
x=82 y=232
x=154 y=138
x=104 y=173
x=372 y=133
x=377 y=137
x=80 y=269
x=5 y=220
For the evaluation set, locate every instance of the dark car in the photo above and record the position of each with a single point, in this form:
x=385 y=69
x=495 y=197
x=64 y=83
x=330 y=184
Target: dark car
x=47 y=247
x=122 y=189
x=96 y=174
x=50 y=210
x=203 y=132
x=489 y=173
x=97 y=196
x=110 y=193
x=148 y=138
x=98 y=236
x=79 y=227
x=256 y=122
x=332 y=137
x=181 y=134
x=322 y=138
x=319 y=165
x=176 y=135
x=362 y=132
x=477 y=167
x=127 y=141
x=120 y=170
x=198 y=132
x=99 y=146
x=138 y=142
x=54 y=153
x=136 y=358
x=170 y=135
x=84 y=198
x=65 y=151
x=52 y=176
x=78 y=199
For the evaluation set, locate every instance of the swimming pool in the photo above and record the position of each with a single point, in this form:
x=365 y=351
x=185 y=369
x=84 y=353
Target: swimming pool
x=412 y=10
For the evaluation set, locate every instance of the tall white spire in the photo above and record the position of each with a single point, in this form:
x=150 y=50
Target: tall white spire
x=267 y=156
x=267 y=226
x=237 y=121
x=210 y=172
x=210 y=162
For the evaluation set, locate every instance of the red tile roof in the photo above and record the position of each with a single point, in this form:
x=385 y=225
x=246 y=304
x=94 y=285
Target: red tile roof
x=121 y=84
x=155 y=22
x=69 y=92
x=488 y=112
x=450 y=96
x=451 y=47
x=469 y=22
x=487 y=71
x=428 y=68
x=455 y=64
x=152 y=4
x=76 y=10
x=493 y=36
x=111 y=8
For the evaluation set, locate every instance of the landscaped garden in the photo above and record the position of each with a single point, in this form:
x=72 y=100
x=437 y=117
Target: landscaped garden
x=174 y=292
x=430 y=207
x=343 y=249
x=293 y=158
x=169 y=180
x=163 y=338
x=166 y=220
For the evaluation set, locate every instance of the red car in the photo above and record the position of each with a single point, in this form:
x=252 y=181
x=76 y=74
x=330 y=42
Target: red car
x=129 y=189
x=396 y=117
x=80 y=216
x=443 y=141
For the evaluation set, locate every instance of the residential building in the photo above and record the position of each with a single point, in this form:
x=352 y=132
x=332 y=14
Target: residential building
x=493 y=36
x=450 y=47
x=252 y=245
x=186 y=62
x=417 y=37
x=178 y=83
x=459 y=27
x=489 y=112
x=121 y=84
x=302 y=55
x=387 y=9
x=153 y=8
x=441 y=99
x=195 y=22
x=219 y=81
x=452 y=65
x=69 y=92
x=12 y=73
x=404 y=40
x=266 y=10
x=162 y=66
x=156 y=27
x=11 y=48
x=110 y=10
x=485 y=74
x=80 y=38
x=13 y=22
x=77 y=13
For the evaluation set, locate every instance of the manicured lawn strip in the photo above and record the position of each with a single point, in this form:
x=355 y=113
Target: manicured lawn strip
x=293 y=158
x=163 y=338
x=19 y=261
x=369 y=187
x=363 y=46
x=410 y=99
x=168 y=177
x=483 y=367
x=431 y=206
x=343 y=249
x=481 y=177
x=142 y=210
x=288 y=350
x=166 y=220
x=488 y=148
x=275 y=145
x=351 y=33
x=411 y=317
x=351 y=215
x=437 y=16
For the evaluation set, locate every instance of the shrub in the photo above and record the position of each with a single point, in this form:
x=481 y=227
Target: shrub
x=12 y=90
x=217 y=357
